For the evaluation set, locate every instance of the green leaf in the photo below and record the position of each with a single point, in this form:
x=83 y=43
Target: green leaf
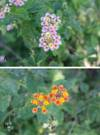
x=2 y=133
x=4 y=102
x=24 y=113
x=8 y=86
x=84 y=87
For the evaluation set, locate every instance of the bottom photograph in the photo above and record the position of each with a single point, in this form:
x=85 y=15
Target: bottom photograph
x=49 y=101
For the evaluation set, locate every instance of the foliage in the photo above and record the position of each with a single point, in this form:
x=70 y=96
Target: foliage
x=80 y=32
x=81 y=115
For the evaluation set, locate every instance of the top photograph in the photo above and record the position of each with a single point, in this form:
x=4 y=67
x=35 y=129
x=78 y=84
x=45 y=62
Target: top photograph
x=50 y=33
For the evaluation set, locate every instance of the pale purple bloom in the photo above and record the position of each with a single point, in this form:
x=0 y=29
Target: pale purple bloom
x=2 y=15
x=50 y=40
x=3 y=11
x=10 y=27
x=2 y=59
x=17 y=2
x=7 y=8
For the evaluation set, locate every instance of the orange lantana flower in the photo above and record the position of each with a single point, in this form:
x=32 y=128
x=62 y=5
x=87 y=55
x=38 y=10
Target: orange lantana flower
x=58 y=96
x=44 y=110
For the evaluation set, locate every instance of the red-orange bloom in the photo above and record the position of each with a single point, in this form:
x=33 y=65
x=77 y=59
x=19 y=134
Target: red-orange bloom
x=58 y=96
x=57 y=102
x=34 y=110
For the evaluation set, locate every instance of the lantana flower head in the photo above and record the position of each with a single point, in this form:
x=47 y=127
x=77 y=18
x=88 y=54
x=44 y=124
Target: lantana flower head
x=58 y=96
x=7 y=7
x=3 y=11
x=50 y=20
x=2 y=14
x=40 y=101
x=17 y=2
x=50 y=40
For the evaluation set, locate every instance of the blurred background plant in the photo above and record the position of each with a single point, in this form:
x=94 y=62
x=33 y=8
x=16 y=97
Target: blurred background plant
x=81 y=115
x=80 y=31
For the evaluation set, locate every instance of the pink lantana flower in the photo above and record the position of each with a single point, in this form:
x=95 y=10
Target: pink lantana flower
x=3 y=11
x=50 y=40
x=17 y=2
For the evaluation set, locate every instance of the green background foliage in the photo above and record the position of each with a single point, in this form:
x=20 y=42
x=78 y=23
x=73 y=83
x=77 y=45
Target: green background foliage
x=80 y=32
x=81 y=115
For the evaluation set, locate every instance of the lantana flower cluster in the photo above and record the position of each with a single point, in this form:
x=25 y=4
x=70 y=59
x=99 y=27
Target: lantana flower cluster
x=3 y=11
x=58 y=96
x=49 y=39
x=6 y=8
x=17 y=2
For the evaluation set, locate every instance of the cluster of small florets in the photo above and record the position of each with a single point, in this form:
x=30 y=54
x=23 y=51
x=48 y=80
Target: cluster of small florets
x=3 y=11
x=57 y=96
x=40 y=101
x=50 y=40
x=17 y=2
x=6 y=8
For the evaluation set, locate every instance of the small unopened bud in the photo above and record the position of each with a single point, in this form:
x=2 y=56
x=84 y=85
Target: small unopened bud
x=10 y=27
